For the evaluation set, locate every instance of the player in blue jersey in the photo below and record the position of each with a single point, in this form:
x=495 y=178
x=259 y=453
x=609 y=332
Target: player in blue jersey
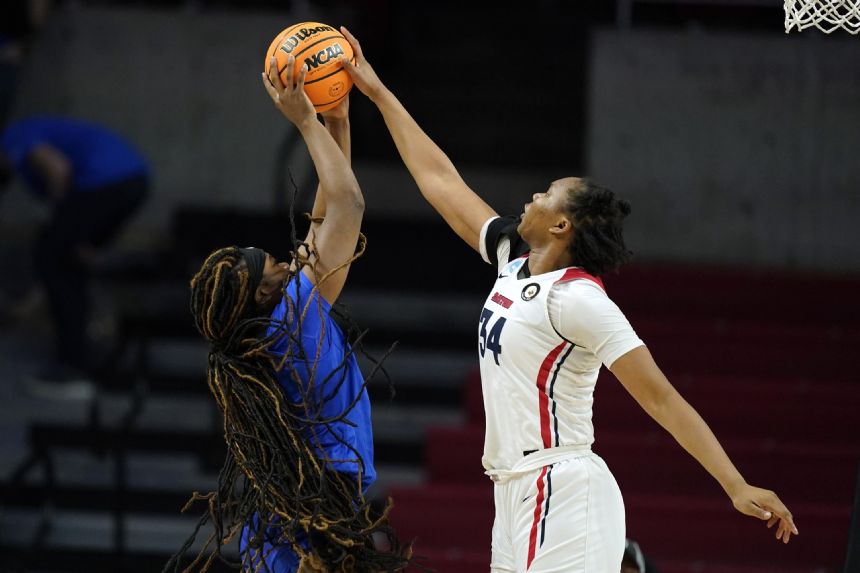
x=94 y=181
x=296 y=411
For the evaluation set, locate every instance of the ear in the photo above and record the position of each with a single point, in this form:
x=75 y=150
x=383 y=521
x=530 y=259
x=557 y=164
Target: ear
x=264 y=291
x=562 y=226
x=259 y=294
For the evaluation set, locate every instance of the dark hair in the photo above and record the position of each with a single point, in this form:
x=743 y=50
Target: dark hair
x=598 y=244
x=274 y=481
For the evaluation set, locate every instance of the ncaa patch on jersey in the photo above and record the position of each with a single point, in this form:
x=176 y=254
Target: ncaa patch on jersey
x=530 y=291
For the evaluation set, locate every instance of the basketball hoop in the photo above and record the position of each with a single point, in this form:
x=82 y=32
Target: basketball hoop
x=826 y=15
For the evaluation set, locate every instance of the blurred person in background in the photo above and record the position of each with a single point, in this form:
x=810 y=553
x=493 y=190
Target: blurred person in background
x=94 y=182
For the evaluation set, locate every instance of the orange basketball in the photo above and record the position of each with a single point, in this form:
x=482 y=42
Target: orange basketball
x=320 y=47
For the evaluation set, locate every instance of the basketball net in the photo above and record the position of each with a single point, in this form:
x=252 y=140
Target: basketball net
x=826 y=15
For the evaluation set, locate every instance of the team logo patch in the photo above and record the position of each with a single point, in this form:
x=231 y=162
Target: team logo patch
x=502 y=300
x=530 y=291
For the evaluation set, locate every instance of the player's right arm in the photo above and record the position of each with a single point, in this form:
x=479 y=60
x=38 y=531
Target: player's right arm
x=337 y=124
x=334 y=240
x=435 y=175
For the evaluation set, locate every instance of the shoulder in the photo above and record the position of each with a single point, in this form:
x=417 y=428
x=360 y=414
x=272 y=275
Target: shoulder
x=301 y=291
x=582 y=305
x=580 y=287
x=578 y=295
x=301 y=311
x=301 y=300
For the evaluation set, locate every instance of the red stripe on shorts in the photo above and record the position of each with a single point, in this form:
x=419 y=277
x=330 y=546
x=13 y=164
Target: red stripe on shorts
x=536 y=520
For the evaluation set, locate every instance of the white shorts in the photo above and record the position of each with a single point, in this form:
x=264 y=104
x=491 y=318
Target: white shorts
x=567 y=517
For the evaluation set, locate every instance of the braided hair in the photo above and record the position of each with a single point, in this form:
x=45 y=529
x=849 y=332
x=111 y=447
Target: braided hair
x=274 y=479
x=598 y=243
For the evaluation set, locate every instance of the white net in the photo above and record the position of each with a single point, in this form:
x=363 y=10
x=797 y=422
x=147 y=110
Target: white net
x=826 y=15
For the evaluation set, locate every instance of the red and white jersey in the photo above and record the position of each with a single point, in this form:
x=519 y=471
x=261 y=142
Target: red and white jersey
x=541 y=342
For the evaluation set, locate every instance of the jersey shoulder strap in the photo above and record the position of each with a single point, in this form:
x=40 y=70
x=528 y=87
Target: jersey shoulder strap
x=575 y=273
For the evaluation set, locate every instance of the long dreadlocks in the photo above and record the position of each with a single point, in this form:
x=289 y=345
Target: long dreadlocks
x=276 y=478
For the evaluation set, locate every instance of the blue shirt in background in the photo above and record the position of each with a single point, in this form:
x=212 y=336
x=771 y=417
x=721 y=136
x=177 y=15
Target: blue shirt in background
x=98 y=156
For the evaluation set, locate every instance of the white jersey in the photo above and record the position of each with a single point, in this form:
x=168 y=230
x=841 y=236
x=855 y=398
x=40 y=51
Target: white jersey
x=541 y=340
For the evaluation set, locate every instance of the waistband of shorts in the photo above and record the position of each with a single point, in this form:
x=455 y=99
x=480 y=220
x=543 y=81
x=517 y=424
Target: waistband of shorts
x=538 y=459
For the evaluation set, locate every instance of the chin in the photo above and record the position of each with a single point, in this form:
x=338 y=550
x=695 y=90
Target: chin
x=520 y=226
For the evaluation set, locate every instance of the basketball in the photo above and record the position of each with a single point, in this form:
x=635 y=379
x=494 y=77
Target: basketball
x=318 y=46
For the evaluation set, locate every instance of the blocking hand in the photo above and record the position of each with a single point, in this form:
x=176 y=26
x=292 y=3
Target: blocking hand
x=291 y=98
x=361 y=72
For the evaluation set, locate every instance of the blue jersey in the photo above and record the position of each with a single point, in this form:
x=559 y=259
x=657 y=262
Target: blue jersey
x=337 y=384
x=337 y=380
x=98 y=157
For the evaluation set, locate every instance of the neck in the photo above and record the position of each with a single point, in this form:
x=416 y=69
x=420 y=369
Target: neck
x=545 y=259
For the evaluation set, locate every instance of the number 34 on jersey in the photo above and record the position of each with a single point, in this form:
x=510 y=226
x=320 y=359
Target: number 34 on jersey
x=490 y=336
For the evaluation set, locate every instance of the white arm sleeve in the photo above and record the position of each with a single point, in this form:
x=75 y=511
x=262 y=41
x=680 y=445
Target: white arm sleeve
x=582 y=313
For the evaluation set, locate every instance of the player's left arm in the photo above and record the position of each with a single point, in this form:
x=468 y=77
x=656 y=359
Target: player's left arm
x=639 y=374
x=438 y=180
x=334 y=240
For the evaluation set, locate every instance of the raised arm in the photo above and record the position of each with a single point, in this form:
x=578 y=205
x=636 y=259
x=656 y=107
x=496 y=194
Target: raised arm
x=435 y=175
x=337 y=124
x=334 y=240
x=640 y=375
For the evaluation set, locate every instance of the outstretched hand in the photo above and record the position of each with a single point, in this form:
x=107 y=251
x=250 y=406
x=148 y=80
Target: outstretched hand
x=765 y=505
x=360 y=71
x=291 y=98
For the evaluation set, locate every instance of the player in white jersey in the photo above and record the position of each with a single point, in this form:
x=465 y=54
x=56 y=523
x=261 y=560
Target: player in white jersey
x=542 y=341
x=544 y=331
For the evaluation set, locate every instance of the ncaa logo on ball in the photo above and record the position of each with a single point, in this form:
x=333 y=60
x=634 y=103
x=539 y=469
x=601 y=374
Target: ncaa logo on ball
x=530 y=291
x=325 y=56
x=336 y=89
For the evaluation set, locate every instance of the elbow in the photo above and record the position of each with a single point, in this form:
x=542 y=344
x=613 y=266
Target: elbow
x=358 y=199
x=662 y=405
x=347 y=200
